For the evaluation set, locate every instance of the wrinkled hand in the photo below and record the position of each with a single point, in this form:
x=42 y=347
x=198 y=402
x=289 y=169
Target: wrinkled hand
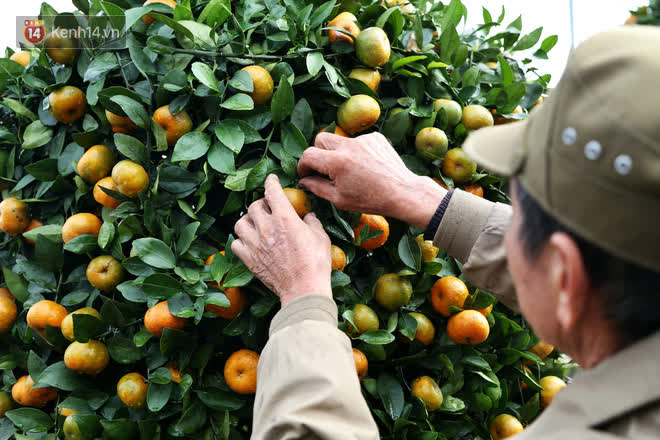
x=367 y=175
x=291 y=256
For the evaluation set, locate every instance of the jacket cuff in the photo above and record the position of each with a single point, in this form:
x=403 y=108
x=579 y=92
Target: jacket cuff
x=308 y=307
x=463 y=221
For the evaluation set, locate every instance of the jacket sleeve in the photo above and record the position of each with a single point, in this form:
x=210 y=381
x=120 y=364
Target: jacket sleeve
x=472 y=231
x=307 y=385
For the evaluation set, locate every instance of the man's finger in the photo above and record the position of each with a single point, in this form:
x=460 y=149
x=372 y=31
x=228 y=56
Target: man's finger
x=320 y=187
x=259 y=212
x=241 y=251
x=319 y=160
x=329 y=141
x=313 y=222
x=277 y=201
x=246 y=231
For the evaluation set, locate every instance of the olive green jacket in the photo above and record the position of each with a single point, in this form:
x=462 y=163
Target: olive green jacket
x=307 y=386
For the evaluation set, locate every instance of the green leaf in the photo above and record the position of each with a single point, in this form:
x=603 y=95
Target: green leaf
x=133 y=109
x=529 y=40
x=186 y=238
x=16 y=285
x=155 y=253
x=507 y=72
x=230 y=133
x=221 y=159
x=161 y=286
x=100 y=66
x=410 y=252
x=407 y=60
x=36 y=135
x=314 y=62
x=303 y=118
x=238 y=276
x=35 y=366
x=30 y=420
x=408 y=325
x=205 y=75
x=82 y=244
x=124 y=351
x=216 y=12
x=283 y=101
x=106 y=234
x=132 y=148
x=242 y=81
x=289 y=163
x=219 y=400
x=239 y=101
x=191 y=146
x=158 y=395
x=86 y=327
x=19 y=108
x=321 y=13
x=391 y=394
x=377 y=337
x=549 y=43
x=293 y=141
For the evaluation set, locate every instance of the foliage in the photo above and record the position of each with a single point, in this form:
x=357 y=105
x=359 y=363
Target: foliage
x=191 y=60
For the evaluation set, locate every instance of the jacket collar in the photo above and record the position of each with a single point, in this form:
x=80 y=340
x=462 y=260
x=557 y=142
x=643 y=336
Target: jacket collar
x=620 y=384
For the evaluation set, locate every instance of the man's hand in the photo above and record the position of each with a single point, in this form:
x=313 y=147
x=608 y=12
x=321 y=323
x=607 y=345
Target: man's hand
x=289 y=255
x=367 y=175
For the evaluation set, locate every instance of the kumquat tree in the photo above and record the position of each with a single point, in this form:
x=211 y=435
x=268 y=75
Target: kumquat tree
x=127 y=157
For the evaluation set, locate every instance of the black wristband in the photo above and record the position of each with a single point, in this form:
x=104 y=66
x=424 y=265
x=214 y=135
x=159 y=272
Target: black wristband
x=432 y=227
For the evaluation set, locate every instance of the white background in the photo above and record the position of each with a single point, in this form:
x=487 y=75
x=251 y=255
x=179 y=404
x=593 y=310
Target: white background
x=590 y=17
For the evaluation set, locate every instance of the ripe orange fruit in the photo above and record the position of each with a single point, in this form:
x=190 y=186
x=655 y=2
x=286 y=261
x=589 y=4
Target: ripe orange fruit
x=538 y=101
x=632 y=19
x=21 y=57
x=393 y=291
x=45 y=312
x=90 y=357
x=6 y=293
x=241 y=371
x=299 y=201
x=66 y=412
x=486 y=311
x=237 y=301
x=346 y=21
x=338 y=131
x=541 y=349
x=81 y=224
x=458 y=166
x=370 y=77
x=14 y=216
x=364 y=318
x=476 y=117
x=427 y=389
x=358 y=113
x=104 y=273
x=23 y=393
x=175 y=126
x=361 y=363
x=67 y=104
x=448 y=291
x=429 y=252
x=120 y=124
x=96 y=163
x=176 y=374
x=103 y=198
x=132 y=390
x=5 y=403
x=209 y=260
x=130 y=178
x=468 y=327
x=475 y=189
x=372 y=47
x=8 y=313
x=505 y=426
x=375 y=223
x=425 y=329
x=551 y=386
x=338 y=258
x=61 y=48
x=452 y=109
x=148 y=19
x=34 y=224
x=262 y=84
x=431 y=144
x=159 y=317
x=67 y=322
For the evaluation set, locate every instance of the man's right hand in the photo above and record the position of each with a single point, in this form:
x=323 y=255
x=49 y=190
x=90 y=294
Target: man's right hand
x=365 y=174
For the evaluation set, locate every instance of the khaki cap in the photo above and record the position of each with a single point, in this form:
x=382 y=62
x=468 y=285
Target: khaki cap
x=590 y=154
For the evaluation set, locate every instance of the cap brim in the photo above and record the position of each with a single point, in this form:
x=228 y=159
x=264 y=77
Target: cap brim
x=500 y=149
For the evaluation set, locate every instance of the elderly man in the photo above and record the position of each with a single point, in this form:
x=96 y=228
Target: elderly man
x=579 y=250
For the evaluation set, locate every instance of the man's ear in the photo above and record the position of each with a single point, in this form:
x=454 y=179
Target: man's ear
x=569 y=280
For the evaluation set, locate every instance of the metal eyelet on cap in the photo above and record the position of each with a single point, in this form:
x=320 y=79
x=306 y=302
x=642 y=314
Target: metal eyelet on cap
x=593 y=150
x=569 y=136
x=623 y=164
